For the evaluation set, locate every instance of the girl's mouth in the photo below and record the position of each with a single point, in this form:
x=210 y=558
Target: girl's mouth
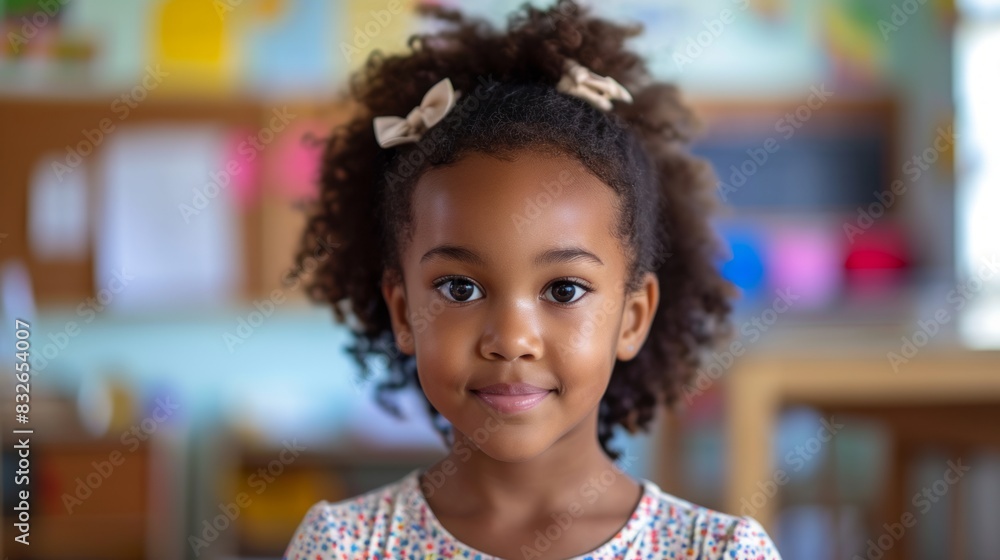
x=511 y=398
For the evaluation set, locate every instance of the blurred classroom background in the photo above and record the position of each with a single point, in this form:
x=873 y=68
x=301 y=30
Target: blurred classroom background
x=187 y=401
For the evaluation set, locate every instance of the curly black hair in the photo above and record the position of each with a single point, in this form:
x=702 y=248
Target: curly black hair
x=508 y=102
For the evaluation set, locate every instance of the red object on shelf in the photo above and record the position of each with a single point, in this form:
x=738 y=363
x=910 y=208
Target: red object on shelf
x=874 y=259
x=881 y=247
x=877 y=263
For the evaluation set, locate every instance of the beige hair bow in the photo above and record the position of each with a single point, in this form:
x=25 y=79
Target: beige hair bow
x=577 y=80
x=599 y=90
x=391 y=131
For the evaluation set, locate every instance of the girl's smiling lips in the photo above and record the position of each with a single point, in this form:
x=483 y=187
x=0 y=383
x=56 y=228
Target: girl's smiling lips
x=511 y=398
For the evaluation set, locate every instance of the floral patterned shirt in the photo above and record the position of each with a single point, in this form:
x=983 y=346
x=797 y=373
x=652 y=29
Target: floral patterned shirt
x=395 y=522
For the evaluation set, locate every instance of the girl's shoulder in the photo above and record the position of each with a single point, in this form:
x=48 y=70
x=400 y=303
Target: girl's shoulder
x=687 y=528
x=386 y=518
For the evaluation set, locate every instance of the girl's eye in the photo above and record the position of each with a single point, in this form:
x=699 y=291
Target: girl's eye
x=459 y=289
x=566 y=292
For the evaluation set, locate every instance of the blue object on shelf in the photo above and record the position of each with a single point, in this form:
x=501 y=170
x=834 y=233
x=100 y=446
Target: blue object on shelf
x=746 y=268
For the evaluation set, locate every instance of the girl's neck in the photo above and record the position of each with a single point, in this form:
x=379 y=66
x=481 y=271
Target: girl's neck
x=573 y=469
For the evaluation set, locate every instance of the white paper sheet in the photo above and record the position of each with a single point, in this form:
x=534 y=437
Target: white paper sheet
x=146 y=246
x=57 y=211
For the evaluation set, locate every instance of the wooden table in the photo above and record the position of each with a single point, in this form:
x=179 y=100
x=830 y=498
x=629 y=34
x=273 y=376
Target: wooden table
x=943 y=395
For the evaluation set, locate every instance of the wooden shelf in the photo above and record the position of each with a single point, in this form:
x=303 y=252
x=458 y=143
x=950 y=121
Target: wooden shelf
x=944 y=395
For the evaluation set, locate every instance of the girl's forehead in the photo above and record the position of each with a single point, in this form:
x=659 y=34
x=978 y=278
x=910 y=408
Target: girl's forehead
x=526 y=181
x=514 y=208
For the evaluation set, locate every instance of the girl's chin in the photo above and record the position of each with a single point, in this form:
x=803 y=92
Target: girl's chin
x=512 y=447
x=513 y=453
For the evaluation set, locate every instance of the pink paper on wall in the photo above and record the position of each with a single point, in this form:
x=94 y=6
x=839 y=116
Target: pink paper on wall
x=294 y=170
x=242 y=164
x=807 y=261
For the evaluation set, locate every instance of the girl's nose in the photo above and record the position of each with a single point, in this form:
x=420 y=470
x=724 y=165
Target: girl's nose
x=511 y=332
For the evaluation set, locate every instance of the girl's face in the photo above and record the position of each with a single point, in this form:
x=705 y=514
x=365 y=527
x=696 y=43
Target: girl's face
x=513 y=299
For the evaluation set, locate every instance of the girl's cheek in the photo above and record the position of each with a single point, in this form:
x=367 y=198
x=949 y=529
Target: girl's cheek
x=583 y=338
x=425 y=313
x=444 y=324
x=581 y=358
x=443 y=351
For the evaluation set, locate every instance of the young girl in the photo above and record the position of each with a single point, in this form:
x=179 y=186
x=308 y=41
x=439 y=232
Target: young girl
x=523 y=236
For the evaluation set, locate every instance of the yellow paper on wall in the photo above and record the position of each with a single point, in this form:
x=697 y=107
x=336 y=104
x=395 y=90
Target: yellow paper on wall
x=375 y=25
x=190 y=41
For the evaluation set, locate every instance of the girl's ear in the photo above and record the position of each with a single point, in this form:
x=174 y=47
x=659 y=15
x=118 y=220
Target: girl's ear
x=394 y=292
x=637 y=318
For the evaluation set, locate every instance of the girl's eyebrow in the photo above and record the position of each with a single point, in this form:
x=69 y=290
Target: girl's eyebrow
x=551 y=256
x=454 y=253
x=568 y=254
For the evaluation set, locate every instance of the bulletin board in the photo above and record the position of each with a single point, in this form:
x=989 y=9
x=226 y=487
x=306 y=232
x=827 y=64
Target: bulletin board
x=35 y=127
